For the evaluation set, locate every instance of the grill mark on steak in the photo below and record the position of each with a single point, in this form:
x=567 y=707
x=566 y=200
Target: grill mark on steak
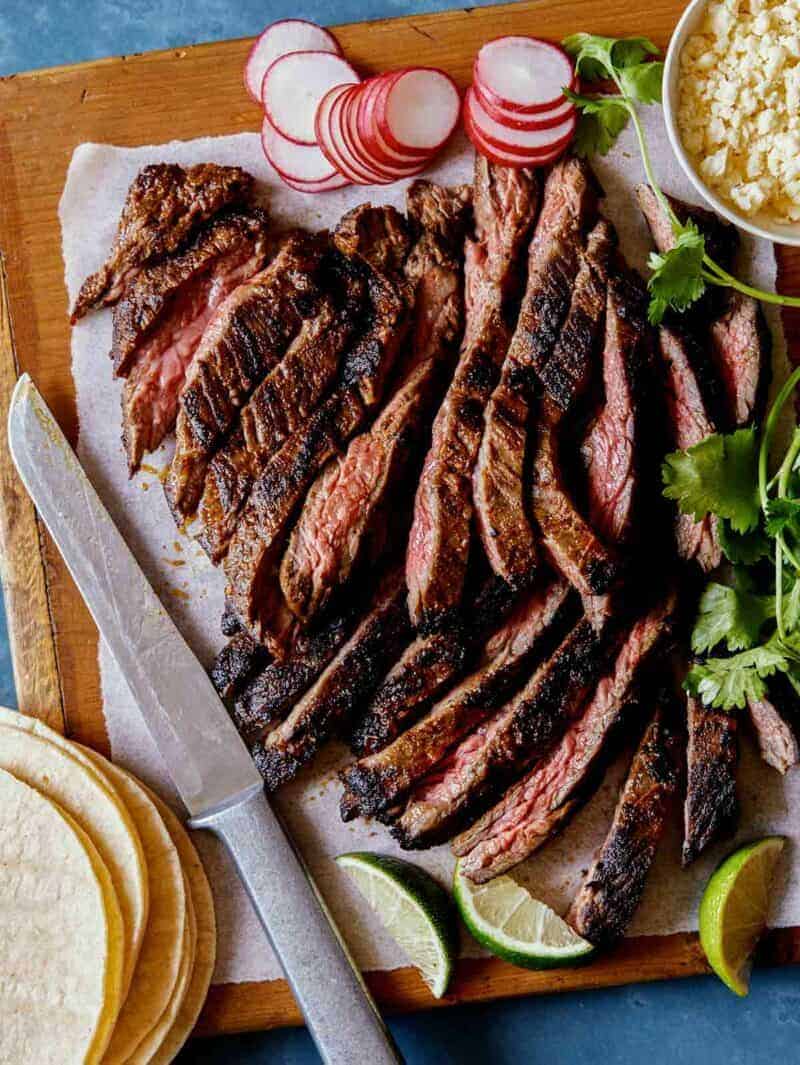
x=612 y=889
x=776 y=723
x=251 y=564
x=347 y=505
x=280 y=406
x=159 y=322
x=376 y=782
x=488 y=760
x=331 y=702
x=505 y=203
x=235 y=664
x=557 y=264
x=537 y=808
x=247 y=337
x=712 y=753
x=612 y=449
x=164 y=205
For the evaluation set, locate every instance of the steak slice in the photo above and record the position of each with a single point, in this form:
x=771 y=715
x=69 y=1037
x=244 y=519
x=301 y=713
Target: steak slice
x=249 y=334
x=347 y=505
x=163 y=207
x=612 y=889
x=541 y=804
x=612 y=450
x=489 y=759
x=555 y=294
x=711 y=806
x=375 y=783
x=271 y=694
x=280 y=405
x=776 y=723
x=505 y=203
x=329 y=705
x=235 y=664
x=160 y=320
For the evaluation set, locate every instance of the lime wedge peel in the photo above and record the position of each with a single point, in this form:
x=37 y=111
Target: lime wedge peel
x=734 y=909
x=413 y=908
x=507 y=920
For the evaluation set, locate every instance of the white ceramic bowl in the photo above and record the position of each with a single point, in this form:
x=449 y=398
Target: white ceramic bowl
x=761 y=224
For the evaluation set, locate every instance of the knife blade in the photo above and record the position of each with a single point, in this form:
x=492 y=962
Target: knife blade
x=204 y=754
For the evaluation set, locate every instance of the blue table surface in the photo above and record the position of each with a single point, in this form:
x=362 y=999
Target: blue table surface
x=687 y=1021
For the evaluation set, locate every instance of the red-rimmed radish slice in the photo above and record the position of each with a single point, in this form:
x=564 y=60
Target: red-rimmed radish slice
x=519 y=120
x=307 y=187
x=524 y=141
x=294 y=86
x=346 y=127
x=507 y=158
x=384 y=171
x=297 y=162
x=523 y=73
x=416 y=110
x=280 y=38
x=370 y=134
x=331 y=139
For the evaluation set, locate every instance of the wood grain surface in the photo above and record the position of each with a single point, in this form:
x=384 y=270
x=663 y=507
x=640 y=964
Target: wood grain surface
x=186 y=93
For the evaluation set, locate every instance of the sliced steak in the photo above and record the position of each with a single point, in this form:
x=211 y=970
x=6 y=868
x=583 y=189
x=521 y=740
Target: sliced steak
x=612 y=889
x=271 y=694
x=722 y=240
x=541 y=804
x=280 y=405
x=493 y=756
x=163 y=207
x=235 y=664
x=613 y=449
x=159 y=322
x=248 y=335
x=329 y=705
x=375 y=783
x=776 y=724
x=711 y=806
x=438 y=549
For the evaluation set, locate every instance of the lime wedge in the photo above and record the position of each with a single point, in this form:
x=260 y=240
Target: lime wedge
x=413 y=908
x=734 y=908
x=506 y=919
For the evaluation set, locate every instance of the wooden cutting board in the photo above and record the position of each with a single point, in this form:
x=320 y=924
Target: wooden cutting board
x=186 y=93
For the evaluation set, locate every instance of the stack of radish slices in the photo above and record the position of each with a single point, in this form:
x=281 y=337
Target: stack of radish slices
x=324 y=128
x=515 y=111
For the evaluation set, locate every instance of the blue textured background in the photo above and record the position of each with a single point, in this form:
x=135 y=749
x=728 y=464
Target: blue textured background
x=679 y=1023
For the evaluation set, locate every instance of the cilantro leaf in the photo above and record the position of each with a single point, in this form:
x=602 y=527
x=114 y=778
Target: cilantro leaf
x=732 y=616
x=783 y=515
x=717 y=476
x=602 y=120
x=727 y=683
x=791 y=608
x=677 y=278
x=643 y=82
x=598 y=57
x=743 y=549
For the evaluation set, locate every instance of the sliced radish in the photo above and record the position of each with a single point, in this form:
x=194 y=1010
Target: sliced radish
x=331 y=140
x=336 y=182
x=523 y=74
x=281 y=38
x=384 y=171
x=519 y=120
x=370 y=134
x=294 y=86
x=297 y=162
x=520 y=141
x=417 y=109
x=345 y=125
x=505 y=157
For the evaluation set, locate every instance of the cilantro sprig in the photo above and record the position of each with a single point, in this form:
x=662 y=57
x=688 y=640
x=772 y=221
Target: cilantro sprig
x=680 y=276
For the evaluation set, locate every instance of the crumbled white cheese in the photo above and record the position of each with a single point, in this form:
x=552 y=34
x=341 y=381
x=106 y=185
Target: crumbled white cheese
x=739 y=104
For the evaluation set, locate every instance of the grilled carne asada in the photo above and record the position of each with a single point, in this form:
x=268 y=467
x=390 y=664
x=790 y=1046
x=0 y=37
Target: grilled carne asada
x=251 y=564
x=541 y=804
x=248 y=336
x=712 y=753
x=565 y=288
x=376 y=782
x=235 y=664
x=776 y=723
x=505 y=203
x=612 y=889
x=159 y=322
x=281 y=404
x=496 y=754
x=348 y=501
x=329 y=705
x=163 y=207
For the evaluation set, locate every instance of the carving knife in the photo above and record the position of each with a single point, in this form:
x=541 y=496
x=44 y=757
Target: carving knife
x=207 y=760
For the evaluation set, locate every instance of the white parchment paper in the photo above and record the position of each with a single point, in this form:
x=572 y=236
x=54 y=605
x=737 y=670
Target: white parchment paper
x=192 y=590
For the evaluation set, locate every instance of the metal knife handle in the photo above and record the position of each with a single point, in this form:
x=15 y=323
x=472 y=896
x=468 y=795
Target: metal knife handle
x=341 y=1015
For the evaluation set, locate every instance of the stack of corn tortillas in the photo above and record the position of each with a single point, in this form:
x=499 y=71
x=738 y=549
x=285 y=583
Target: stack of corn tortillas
x=107 y=932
